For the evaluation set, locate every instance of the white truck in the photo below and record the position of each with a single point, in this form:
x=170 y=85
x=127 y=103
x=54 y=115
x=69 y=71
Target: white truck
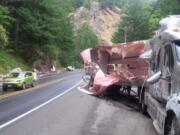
x=152 y=66
x=161 y=96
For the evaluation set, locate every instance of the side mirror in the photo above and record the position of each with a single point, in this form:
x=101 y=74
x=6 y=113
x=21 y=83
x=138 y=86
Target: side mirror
x=154 y=78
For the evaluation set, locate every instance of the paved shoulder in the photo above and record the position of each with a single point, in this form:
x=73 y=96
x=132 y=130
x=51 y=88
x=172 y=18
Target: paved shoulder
x=80 y=114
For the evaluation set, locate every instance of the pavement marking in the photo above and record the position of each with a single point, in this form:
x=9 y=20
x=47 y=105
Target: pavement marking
x=85 y=91
x=10 y=94
x=38 y=107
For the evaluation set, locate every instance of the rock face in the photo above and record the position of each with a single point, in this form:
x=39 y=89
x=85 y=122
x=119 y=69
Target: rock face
x=104 y=22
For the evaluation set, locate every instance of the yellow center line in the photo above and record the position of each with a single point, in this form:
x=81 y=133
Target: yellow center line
x=10 y=94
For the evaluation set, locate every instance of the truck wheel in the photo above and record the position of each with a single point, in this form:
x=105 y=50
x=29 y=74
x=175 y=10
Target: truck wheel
x=172 y=127
x=143 y=107
x=112 y=90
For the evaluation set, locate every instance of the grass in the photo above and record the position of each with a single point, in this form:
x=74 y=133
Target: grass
x=9 y=61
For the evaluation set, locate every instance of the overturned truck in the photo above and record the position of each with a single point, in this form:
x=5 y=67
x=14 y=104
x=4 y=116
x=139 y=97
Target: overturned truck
x=119 y=66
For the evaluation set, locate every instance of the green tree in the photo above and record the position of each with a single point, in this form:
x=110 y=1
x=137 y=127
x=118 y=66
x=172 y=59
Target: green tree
x=84 y=38
x=112 y=3
x=5 y=19
x=162 y=8
x=44 y=26
x=154 y=21
x=86 y=3
x=135 y=21
x=5 y=24
x=3 y=37
x=77 y=3
x=169 y=7
x=103 y=3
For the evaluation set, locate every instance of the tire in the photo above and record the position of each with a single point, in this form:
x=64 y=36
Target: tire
x=172 y=127
x=112 y=90
x=23 y=86
x=33 y=84
x=4 y=88
x=143 y=107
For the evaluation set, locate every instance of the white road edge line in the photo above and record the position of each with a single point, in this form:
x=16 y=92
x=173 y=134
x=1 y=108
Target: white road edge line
x=85 y=91
x=38 y=107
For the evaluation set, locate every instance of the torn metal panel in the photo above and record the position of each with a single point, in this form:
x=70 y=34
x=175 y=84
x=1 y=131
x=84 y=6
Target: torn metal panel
x=86 y=55
x=116 y=65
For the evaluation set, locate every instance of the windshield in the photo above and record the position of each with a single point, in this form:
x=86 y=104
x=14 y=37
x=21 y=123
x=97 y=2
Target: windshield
x=16 y=75
x=178 y=49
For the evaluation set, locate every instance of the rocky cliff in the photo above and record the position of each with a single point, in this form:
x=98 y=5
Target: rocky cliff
x=104 y=22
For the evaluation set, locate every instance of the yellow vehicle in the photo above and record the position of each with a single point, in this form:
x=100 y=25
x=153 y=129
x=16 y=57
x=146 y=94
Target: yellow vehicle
x=19 y=80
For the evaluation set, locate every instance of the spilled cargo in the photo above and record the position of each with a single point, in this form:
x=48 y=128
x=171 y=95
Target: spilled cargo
x=125 y=64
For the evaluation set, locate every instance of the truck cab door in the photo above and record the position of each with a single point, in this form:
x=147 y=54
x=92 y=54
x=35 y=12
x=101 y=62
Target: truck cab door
x=164 y=63
x=175 y=87
x=167 y=71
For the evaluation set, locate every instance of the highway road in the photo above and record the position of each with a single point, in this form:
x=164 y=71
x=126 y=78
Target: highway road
x=56 y=107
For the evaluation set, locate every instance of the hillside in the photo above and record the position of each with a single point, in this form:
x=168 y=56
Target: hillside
x=42 y=32
x=104 y=21
x=9 y=61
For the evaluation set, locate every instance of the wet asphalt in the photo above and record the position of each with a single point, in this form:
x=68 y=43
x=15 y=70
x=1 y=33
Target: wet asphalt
x=75 y=113
x=14 y=106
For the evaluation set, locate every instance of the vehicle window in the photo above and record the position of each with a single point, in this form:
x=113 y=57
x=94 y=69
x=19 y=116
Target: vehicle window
x=177 y=43
x=158 y=60
x=28 y=74
x=169 y=60
x=21 y=75
x=14 y=75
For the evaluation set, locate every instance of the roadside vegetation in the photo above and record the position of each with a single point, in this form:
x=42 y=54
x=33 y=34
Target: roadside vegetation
x=9 y=61
x=141 y=18
x=84 y=38
x=43 y=30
